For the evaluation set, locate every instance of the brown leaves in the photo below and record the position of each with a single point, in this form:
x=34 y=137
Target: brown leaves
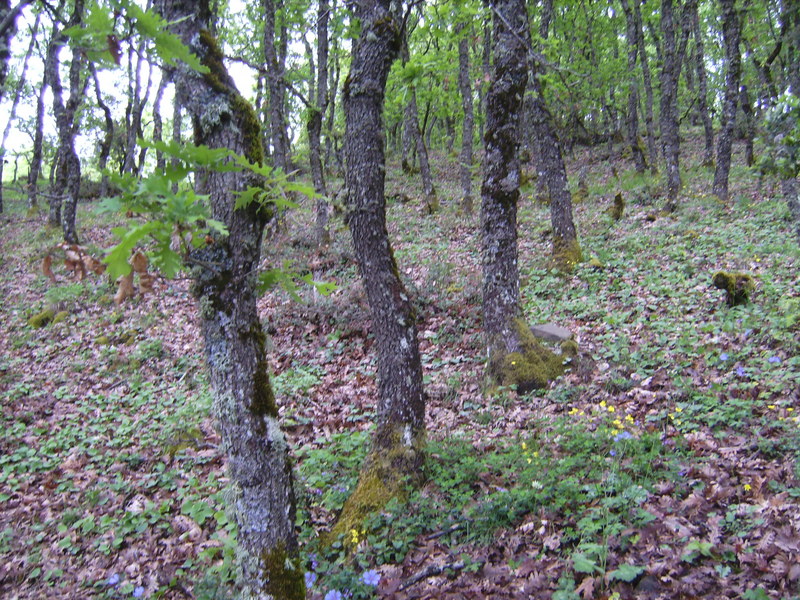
x=125 y=287
x=77 y=261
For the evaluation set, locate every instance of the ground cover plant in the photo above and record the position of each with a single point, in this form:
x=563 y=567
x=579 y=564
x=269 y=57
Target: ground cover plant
x=663 y=463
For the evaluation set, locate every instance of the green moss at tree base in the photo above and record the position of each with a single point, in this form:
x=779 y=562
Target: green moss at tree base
x=387 y=472
x=618 y=208
x=530 y=368
x=737 y=286
x=567 y=255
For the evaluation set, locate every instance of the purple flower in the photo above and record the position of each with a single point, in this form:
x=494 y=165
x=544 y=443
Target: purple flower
x=138 y=592
x=311 y=577
x=623 y=435
x=314 y=563
x=774 y=359
x=334 y=595
x=740 y=371
x=723 y=356
x=114 y=579
x=613 y=452
x=371 y=577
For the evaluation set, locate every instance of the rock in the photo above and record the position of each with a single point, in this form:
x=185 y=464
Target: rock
x=551 y=332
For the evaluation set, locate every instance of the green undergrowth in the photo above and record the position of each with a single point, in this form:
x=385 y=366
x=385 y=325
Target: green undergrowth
x=594 y=479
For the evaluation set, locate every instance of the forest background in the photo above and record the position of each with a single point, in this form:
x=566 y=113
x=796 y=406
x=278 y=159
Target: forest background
x=652 y=157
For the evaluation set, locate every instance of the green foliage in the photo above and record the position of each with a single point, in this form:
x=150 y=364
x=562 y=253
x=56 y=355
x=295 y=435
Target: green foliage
x=782 y=137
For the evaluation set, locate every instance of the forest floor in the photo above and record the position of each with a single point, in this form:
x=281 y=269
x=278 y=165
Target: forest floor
x=663 y=464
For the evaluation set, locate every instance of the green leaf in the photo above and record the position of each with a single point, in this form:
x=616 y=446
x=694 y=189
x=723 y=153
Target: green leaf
x=117 y=257
x=581 y=564
x=626 y=573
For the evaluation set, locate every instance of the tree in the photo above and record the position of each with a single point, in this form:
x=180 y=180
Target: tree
x=275 y=62
x=702 y=84
x=731 y=33
x=68 y=162
x=633 y=91
x=670 y=72
x=8 y=28
x=397 y=444
x=314 y=126
x=514 y=357
x=550 y=162
x=245 y=408
x=648 y=90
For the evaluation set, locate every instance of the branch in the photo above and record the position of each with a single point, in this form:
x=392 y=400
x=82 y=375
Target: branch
x=261 y=70
x=12 y=16
x=433 y=570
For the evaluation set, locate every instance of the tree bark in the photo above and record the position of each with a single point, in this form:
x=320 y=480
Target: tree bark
x=8 y=28
x=275 y=84
x=177 y=127
x=748 y=126
x=702 y=87
x=468 y=124
x=670 y=138
x=500 y=188
x=633 y=93
x=396 y=450
x=246 y=413
x=731 y=35
x=649 y=121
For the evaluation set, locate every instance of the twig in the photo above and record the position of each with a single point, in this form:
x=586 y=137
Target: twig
x=433 y=570
x=439 y=534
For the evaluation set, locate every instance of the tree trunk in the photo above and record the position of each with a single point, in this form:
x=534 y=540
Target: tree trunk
x=68 y=163
x=733 y=58
x=275 y=84
x=500 y=188
x=177 y=127
x=8 y=28
x=397 y=444
x=314 y=124
x=108 y=138
x=36 y=152
x=748 y=126
x=648 y=91
x=633 y=92
x=702 y=87
x=487 y=66
x=670 y=139
x=246 y=413
x=12 y=115
x=468 y=124
x=412 y=123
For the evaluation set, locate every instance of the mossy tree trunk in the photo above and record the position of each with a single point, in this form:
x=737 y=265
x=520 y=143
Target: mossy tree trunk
x=501 y=168
x=108 y=135
x=550 y=165
x=731 y=34
x=8 y=28
x=281 y=155
x=262 y=497
x=314 y=125
x=397 y=445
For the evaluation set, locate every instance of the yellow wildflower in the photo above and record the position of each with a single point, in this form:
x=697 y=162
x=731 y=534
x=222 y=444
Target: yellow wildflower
x=611 y=409
x=524 y=446
x=747 y=487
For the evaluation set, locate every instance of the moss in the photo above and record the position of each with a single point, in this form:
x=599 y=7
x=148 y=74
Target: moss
x=566 y=254
x=385 y=476
x=219 y=80
x=618 y=208
x=737 y=286
x=595 y=264
x=102 y=340
x=284 y=578
x=569 y=348
x=263 y=397
x=42 y=319
x=60 y=316
x=532 y=367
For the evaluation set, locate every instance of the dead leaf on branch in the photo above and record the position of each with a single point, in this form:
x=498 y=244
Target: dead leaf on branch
x=124 y=289
x=139 y=262
x=47 y=270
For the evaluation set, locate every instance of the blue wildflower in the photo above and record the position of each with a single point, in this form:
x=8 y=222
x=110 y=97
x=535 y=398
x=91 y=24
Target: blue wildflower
x=138 y=592
x=774 y=359
x=723 y=356
x=623 y=435
x=311 y=577
x=371 y=577
x=740 y=371
x=114 y=579
x=334 y=595
x=613 y=452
